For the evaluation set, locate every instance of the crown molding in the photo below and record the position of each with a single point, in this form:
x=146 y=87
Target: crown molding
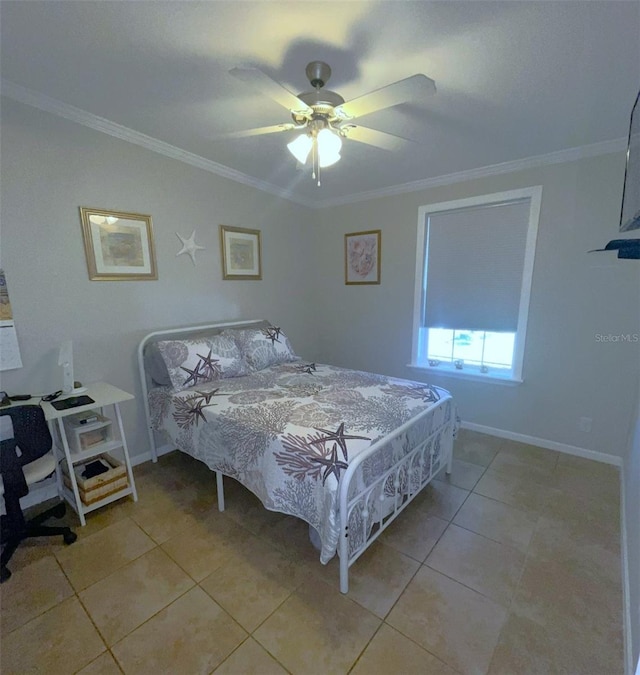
x=51 y=105
x=558 y=157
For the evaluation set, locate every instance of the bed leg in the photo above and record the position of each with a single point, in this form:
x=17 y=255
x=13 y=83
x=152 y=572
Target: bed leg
x=220 y=490
x=450 y=461
x=344 y=575
x=343 y=550
x=152 y=443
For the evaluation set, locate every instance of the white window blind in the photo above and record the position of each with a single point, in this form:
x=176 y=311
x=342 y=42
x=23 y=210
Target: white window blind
x=475 y=259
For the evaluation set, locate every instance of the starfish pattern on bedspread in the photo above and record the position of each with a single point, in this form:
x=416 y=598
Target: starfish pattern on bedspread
x=208 y=395
x=210 y=367
x=304 y=459
x=332 y=464
x=206 y=369
x=189 y=411
x=272 y=333
x=194 y=375
x=339 y=436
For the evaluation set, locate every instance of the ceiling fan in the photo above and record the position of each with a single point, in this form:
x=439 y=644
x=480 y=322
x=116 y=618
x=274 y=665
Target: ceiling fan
x=324 y=118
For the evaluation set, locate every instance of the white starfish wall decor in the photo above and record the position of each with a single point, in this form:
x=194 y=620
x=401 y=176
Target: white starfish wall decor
x=189 y=246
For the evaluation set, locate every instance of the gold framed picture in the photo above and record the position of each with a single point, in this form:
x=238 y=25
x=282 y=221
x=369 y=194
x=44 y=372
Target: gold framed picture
x=241 y=253
x=118 y=245
x=362 y=255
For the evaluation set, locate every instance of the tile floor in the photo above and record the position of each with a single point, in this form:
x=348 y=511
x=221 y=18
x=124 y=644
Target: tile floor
x=509 y=566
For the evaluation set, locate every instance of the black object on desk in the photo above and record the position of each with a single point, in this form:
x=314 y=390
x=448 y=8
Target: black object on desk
x=72 y=402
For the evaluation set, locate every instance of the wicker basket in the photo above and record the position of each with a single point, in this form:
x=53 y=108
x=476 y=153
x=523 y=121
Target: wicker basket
x=97 y=488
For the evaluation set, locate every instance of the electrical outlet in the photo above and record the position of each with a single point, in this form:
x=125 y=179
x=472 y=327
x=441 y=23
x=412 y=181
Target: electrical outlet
x=584 y=424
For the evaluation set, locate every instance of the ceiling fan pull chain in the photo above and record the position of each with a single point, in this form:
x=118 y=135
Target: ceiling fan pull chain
x=313 y=160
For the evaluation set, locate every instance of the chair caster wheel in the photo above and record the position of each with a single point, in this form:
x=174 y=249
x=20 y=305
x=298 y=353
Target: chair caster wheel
x=69 y=537
x=59 y=510
x=5 y=573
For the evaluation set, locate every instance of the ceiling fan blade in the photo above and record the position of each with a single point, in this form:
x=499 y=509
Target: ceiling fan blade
x=259 y=131
x=412 y=87
x=269 y=87
x=380 y=139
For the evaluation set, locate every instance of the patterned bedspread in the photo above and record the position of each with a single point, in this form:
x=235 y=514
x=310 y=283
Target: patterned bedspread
x=288 y=432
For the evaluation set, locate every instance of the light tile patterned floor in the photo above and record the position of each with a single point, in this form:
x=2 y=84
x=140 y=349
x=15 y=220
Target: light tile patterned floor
x=510 y=566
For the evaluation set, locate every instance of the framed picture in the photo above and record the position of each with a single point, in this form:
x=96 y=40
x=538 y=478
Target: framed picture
x=240 y=253
x=362 y=257
x=118 y=245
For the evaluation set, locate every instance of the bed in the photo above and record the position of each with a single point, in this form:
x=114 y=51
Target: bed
x=344 y=450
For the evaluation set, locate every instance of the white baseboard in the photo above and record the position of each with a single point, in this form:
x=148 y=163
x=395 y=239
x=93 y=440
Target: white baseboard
x=147 y=456
x=544 y=443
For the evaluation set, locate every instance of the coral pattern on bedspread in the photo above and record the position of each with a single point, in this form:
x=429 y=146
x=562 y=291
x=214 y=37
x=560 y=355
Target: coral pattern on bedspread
x=289 y=431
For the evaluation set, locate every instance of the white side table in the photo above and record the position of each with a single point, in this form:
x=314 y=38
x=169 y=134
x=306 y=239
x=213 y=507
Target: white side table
x=104 y=395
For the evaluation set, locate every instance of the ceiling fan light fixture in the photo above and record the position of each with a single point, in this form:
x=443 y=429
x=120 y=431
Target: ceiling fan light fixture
x=301 y=147
x=325 y=118
x=329 y=146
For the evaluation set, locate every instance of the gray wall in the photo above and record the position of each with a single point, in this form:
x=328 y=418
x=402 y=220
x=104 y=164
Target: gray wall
x=575 y=296
x=50 y=167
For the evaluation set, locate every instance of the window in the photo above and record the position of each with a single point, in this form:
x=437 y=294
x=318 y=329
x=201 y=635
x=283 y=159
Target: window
x=474 y=266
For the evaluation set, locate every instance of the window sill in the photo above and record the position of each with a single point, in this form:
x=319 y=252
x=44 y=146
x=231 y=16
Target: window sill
x=466 y=375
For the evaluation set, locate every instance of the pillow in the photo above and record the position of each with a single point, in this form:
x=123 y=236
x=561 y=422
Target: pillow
x=193 y=362
x=262 y=347
x=155 y=365
x=154 y=361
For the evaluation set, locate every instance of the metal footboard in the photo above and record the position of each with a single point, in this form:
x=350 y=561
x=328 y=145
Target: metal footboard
x=368 y=505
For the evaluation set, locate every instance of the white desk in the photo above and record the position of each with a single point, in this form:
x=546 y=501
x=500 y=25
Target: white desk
x=104 y=395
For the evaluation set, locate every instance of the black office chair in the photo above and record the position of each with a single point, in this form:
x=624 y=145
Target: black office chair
x=26 y=457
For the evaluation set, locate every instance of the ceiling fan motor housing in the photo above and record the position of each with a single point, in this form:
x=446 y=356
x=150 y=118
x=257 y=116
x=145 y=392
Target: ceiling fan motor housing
x=322 y=101
x=318 y=73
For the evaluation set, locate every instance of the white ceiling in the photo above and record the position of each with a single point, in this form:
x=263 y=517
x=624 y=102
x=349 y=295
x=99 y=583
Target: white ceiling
x=514 y=79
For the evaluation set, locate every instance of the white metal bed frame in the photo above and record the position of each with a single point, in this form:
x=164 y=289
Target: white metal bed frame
x=418 y=466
